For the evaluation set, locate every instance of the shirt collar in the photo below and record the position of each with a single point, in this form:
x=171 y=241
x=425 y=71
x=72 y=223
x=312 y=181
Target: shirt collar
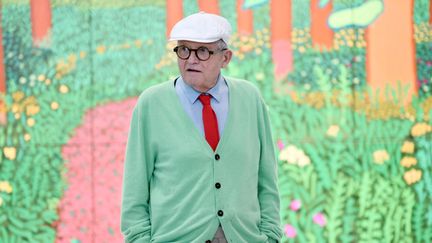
x=192 y=95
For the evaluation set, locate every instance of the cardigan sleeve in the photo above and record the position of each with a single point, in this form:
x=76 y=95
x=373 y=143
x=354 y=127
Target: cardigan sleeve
x=138 y=167
x=268 y=193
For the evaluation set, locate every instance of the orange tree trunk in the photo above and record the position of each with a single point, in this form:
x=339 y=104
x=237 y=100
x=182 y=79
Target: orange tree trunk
x=174 y=12
x=390 y=51
x=244 y=19
x=209 y=6
x=2 y=63
x=280 y=13
x=41 y=20
x=322 y=35
x=430 y=13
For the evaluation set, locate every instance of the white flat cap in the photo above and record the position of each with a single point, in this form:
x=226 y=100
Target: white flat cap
x=201 y=27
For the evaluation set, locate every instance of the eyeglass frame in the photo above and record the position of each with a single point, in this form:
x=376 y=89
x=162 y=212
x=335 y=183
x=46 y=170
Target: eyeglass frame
x=196 y=52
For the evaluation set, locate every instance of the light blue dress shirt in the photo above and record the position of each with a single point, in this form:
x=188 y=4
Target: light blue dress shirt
x=193 y=107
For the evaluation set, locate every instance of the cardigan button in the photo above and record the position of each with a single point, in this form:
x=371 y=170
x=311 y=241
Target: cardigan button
x=217 y=185
x=217 y=157
x=220 y=213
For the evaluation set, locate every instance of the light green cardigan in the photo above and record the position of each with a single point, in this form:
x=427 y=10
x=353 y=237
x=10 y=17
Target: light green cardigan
x=170 y=173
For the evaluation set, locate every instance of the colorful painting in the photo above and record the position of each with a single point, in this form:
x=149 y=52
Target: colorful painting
x=348 y=84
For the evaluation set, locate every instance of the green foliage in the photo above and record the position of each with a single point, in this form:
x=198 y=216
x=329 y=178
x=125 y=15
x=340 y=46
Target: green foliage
x=424 y=68
x=228 y=9
x=260 y=16
x=421 y=13
x=257 y=69
x=89 y=77
x=422 y=212
x=361 y=195
x=343 y=4
x=333 y=69
x=190 y=7
x=301 y=14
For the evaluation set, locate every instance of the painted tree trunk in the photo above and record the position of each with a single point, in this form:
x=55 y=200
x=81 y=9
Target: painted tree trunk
x=390 y=53
x=244 y=19
x=41 y=21
x=430 y=13
x=280 y=11
x=322 y=35
x=209 y=6
x=174 y=12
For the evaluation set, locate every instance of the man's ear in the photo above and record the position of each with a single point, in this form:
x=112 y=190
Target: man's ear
x=227 y=58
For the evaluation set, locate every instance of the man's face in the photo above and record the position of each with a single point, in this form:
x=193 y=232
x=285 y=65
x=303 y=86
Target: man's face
x=202 y=75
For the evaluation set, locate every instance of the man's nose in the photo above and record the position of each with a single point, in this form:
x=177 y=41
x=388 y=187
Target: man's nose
x=193 y=58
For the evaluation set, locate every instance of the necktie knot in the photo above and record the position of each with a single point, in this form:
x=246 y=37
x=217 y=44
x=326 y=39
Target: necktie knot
x=205 y=99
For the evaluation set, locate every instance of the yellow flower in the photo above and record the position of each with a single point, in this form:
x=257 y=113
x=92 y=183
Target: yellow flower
x=138 y=43
x=101 y=49
x=9 y=152
x=126 y=46
x=380 y=156
x=5 y=187
x=54 y=105
x=333 y=131
x=294 y=155
x=408 y=147
x=31 y=122
x=18 y=95
x=27 y=137
x=63 y=89
x=412 y=176
x=41 y=77
x=260 y=76
x=303 y=160
x=32 y=109
x=245 y=48
x=420 y=129
x=1 y=201
x=408 y=161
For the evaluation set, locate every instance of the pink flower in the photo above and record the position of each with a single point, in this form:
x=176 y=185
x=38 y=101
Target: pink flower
x=295 y=205
x=319 y=219
x=290 y=231
x=280 y=144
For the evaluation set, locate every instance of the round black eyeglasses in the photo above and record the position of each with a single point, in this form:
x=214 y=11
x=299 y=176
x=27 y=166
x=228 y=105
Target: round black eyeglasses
x=202 y=53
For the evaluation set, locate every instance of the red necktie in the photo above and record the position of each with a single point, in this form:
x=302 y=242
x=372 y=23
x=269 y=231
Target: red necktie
x=210 y=121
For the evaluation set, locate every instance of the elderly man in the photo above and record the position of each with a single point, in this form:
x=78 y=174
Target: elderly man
x=200 y=164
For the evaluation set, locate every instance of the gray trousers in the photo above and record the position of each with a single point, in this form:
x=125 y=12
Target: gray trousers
x=219 y=236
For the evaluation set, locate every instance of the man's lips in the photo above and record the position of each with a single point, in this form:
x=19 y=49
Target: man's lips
x=193 y=70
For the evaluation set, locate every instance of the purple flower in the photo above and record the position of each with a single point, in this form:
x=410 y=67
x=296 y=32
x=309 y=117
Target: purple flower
x=290 y=231
x=295 y=205
x=280 y=144
x=319 y=219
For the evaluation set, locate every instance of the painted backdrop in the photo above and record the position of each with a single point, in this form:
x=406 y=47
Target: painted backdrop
x=348 y=84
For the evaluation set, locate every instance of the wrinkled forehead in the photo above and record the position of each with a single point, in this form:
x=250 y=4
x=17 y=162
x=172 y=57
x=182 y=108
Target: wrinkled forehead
x=193 y=44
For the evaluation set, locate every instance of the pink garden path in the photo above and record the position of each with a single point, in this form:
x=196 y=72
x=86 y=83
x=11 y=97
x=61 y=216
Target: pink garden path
x=90 y=208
